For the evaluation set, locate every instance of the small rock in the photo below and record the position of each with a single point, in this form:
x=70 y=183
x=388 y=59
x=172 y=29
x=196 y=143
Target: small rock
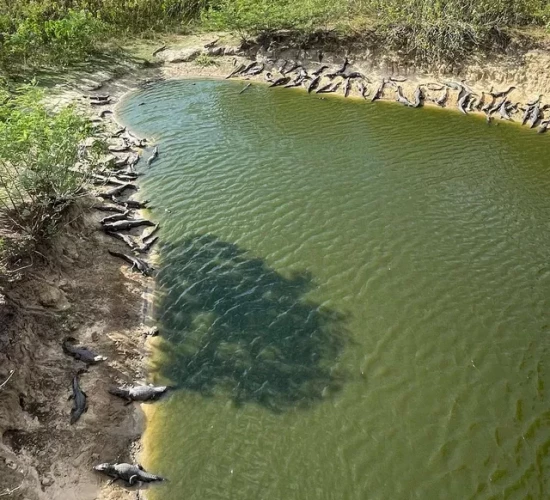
x=46 y=481
x=50 y=296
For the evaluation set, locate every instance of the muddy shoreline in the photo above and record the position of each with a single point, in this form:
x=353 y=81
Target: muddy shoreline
x=74 y=287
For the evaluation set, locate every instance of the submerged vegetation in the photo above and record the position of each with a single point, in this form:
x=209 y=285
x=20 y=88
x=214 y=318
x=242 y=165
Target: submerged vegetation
x=62 y=32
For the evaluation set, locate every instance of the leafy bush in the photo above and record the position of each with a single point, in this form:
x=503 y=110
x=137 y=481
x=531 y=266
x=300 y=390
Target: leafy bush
x=137 y=16
x=65 y=31
x=255 y=16
x=445 y=29
x=38 y=153
x=432 y=29
x=37 y=38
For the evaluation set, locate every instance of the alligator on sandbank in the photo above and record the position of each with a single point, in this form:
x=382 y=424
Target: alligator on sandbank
x=129 y=473
x=139 y=392
x=80 y=404
x=81 y=353
x=135 y=262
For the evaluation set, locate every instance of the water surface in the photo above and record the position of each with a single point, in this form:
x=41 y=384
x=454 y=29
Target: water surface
x=353 y=298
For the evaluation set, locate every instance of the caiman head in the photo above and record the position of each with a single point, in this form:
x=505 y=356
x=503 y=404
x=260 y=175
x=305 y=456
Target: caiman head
x=106 y=467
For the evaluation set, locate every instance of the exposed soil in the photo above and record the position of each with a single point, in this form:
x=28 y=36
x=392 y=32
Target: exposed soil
x=75 y=288
x=80 y=291
x=72 y=287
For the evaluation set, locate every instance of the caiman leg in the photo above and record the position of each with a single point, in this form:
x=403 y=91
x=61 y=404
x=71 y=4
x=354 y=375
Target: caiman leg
x=112 y=481
x=132 y=479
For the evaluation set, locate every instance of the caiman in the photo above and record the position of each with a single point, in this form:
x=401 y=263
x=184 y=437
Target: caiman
x=236 y=71
x=294 y=67
x=442 y=99
x=129 y=473
x=503 y=111
x=401 y=98
x=379 y=91
x=463 y=101
x=314 y=84
x=257 y=70
x=344 y=66
x=115 y=218
x=331 y=87
x=362 y=90
x=123 y=225
x=318 y=71
x=153 y=157
x=504 y=93
x=418 y=98
x=139 y=392
x=535 y=115
x=80 y=353
x=249 y=67
x=280 y=81
x=79 y=397
x=135 y=263
x=347 y=87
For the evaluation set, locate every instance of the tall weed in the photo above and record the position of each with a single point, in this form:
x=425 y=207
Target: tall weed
x=38 y=153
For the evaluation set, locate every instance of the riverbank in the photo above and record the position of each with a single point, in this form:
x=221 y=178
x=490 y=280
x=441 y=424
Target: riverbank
x=75 y=288
x=71 y=286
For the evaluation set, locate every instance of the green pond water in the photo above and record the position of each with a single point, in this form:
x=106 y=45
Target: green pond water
x=354 y=298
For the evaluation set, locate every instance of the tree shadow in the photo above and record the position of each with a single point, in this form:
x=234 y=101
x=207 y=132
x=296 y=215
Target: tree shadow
x=232 y=325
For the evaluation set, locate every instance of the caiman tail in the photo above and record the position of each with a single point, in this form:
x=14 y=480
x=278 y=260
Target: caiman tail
x=117 y=391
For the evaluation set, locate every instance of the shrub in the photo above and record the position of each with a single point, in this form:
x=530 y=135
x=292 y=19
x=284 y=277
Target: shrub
x=138 y=16
x=38 y=153
x=255 y=16
x=36 y=38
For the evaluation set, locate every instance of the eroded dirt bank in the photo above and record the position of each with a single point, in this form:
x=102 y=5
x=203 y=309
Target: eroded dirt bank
x=522 y=65
x=74 y=288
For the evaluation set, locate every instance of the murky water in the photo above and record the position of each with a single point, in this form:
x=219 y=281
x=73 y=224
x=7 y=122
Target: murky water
x=354 y=298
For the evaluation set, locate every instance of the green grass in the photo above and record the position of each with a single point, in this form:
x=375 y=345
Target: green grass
x=205 y=60
x=431 y=30
x=59 y=33
x=38 y=152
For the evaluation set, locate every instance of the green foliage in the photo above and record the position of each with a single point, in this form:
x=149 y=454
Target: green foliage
x=66 y=31
x=137 y=16
x=38 y=37
x=431 y=29
x=38 y=153
x=255 y=16
x=205 y=60
x=446 y=29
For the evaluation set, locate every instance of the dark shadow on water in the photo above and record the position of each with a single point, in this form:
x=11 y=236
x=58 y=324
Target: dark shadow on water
x=233 y=325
